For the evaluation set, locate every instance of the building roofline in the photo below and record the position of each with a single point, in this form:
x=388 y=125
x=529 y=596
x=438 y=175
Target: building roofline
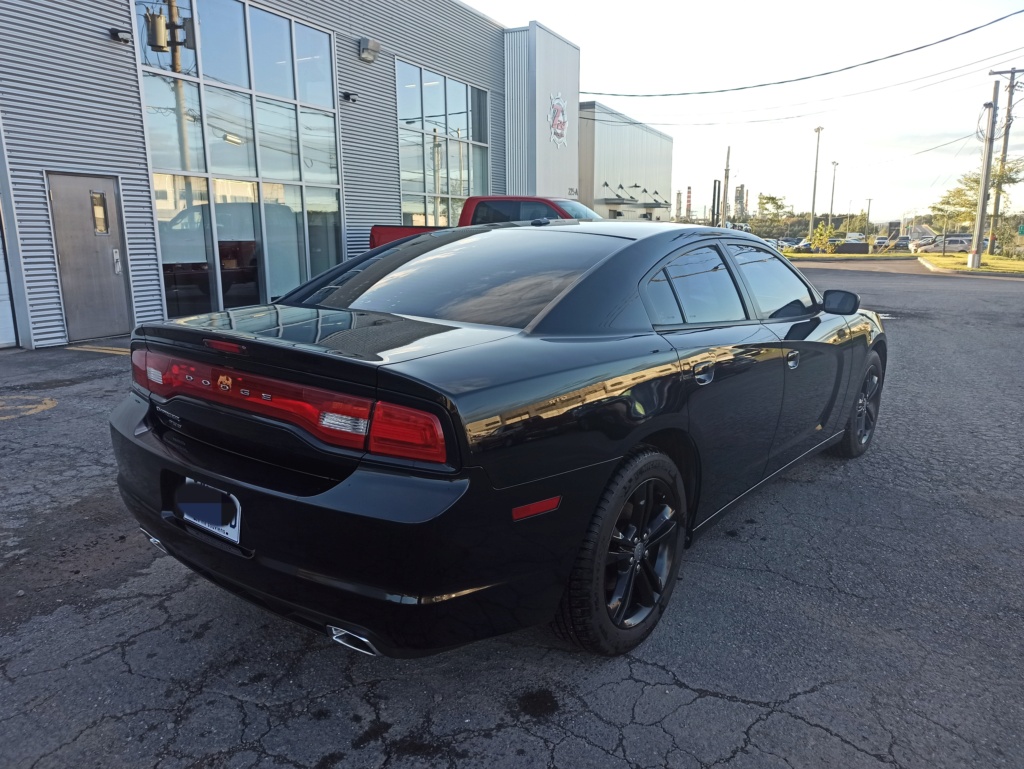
x=598 y=107
x=538 y=25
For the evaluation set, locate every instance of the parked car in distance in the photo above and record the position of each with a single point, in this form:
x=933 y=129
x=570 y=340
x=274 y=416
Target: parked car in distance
x=854 y=237
x=881 y=243
x=485 y=428
x=492 y=209
x=790 y=241
x=920 y=242
x=902 y=243
x=954 y=244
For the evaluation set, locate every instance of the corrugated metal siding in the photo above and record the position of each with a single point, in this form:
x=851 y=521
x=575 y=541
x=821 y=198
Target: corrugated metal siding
x=517 y=109
x=445 y=37
x=70 y=103
x=7 y=335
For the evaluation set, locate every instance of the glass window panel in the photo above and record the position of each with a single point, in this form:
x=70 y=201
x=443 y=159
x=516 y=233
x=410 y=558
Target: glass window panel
x=481 y=178
x=153 y=35
x=705 y=288
x=436 y=163
x=437 y=212
x=458 y=110
x=410 y=160
x=410 y=108
x=173 y=124
x=319 y=147
x=99 y=213
x=534 y=209
x=478 y=115
x=324 y=215
x=777 y=290
x=414 y=211
x=183 y=220
x=225 y=56
x=313 y=56
x=662 y=301
x=455 y=212
x=229 y=126
x=272 y=64
x=286 y=238
x=433 y=102
x=279 y=140
x=237 y=210
x=458 y=167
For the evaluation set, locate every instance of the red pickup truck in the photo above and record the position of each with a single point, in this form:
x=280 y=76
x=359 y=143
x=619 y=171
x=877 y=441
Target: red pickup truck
x=492 y=209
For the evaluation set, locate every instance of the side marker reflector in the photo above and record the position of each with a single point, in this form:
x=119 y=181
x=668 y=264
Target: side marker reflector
x=535 y=508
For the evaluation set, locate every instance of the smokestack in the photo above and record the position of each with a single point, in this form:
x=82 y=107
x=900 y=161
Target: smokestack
x=689 y=203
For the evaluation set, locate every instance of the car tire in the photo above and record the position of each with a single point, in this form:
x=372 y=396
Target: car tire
x=860 y=427
x=627 y=566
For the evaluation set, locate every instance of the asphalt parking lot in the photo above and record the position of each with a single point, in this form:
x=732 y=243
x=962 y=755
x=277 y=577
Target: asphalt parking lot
x=850 y=614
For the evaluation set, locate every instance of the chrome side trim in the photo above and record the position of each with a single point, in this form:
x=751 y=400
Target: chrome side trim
x=154 y=541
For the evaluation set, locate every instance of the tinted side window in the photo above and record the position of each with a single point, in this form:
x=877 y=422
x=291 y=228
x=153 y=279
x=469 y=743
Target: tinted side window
x=661 y=301
x=533 y=209
x=776 y=288
x=494 y=211
x=705 y=288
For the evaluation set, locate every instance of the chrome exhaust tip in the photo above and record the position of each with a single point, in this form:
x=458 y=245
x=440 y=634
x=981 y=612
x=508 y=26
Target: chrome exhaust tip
x=352 y=641
x=155 y=542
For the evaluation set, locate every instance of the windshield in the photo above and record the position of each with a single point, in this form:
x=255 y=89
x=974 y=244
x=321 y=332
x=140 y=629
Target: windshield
x=577 y=210
x=501 y=277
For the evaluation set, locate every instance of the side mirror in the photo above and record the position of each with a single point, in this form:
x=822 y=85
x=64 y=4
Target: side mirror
x=838 y=302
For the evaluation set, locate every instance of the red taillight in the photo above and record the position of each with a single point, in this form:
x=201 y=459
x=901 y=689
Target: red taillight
x=222 y=346
x=341 y=420
x=397 y=431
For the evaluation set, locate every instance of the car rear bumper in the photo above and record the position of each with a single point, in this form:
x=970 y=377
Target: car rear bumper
x=412 y=564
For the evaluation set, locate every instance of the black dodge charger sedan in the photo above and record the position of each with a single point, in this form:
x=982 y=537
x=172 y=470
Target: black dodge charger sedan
x=476 y=430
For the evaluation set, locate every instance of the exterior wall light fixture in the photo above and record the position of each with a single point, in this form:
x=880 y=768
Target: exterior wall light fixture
x=120 y=35
x=369 y=49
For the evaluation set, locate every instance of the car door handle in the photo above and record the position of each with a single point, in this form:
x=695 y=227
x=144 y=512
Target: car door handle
x=704 y=372
x=793 y=358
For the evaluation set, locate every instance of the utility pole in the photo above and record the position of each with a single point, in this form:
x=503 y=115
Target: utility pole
x=1007 y=122
x=725 y=188
x=867 y=219
x=832 y=200
x=974 y=257
x=814 y=192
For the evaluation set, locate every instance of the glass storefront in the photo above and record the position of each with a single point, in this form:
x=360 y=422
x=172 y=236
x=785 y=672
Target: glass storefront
x=244 y=148
x=442 y=145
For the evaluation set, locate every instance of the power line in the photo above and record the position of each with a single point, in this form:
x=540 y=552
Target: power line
x=810 y=77
x=944 y=144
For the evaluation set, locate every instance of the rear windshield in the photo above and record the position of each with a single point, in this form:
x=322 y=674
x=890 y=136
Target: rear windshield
x=501 y=277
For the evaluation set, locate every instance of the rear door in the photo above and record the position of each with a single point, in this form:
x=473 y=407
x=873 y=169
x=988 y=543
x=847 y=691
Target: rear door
x=815 y=346
x=732 y=370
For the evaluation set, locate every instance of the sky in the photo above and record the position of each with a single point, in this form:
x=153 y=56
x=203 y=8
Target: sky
x=882 y=141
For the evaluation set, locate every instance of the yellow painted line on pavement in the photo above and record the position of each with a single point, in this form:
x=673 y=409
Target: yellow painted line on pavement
x=14 y=406
x=96 y=348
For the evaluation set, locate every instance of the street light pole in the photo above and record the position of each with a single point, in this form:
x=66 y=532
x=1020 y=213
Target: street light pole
x=832 y=200
x=814 y=192
x=974 y=257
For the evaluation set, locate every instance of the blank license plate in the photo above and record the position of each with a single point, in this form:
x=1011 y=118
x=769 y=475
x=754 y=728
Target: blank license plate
x=210 y=509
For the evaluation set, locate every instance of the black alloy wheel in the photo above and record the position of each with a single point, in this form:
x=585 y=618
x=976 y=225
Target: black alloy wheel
x=641 y=553
x=629 y=559
x=860 y=428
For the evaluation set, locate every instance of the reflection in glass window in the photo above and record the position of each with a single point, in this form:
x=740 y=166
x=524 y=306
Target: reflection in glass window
x=458 y=167
x=662 y=301
x=414 y=211
x=458 y=110
x=778 y=291
x=410 y=160
x=272 y=64
x=286 y=238
x=433 y=102
x=705 y=288
x=229 y=126
x=437 y=212
x=455 y=210
x=481 y=181
x=279 y=140
x=478 y=115
x=319 y=147
x=237 y=210
x=313 y=56
x=156 y=32
x=173 y=124
x=183 y=220
x=225 y=54
x=436 y=163
x=98 y=201
x=324 y=214
x=410 y=108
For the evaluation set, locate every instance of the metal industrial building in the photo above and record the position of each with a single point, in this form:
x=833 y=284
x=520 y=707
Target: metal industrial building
x=165 y=157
